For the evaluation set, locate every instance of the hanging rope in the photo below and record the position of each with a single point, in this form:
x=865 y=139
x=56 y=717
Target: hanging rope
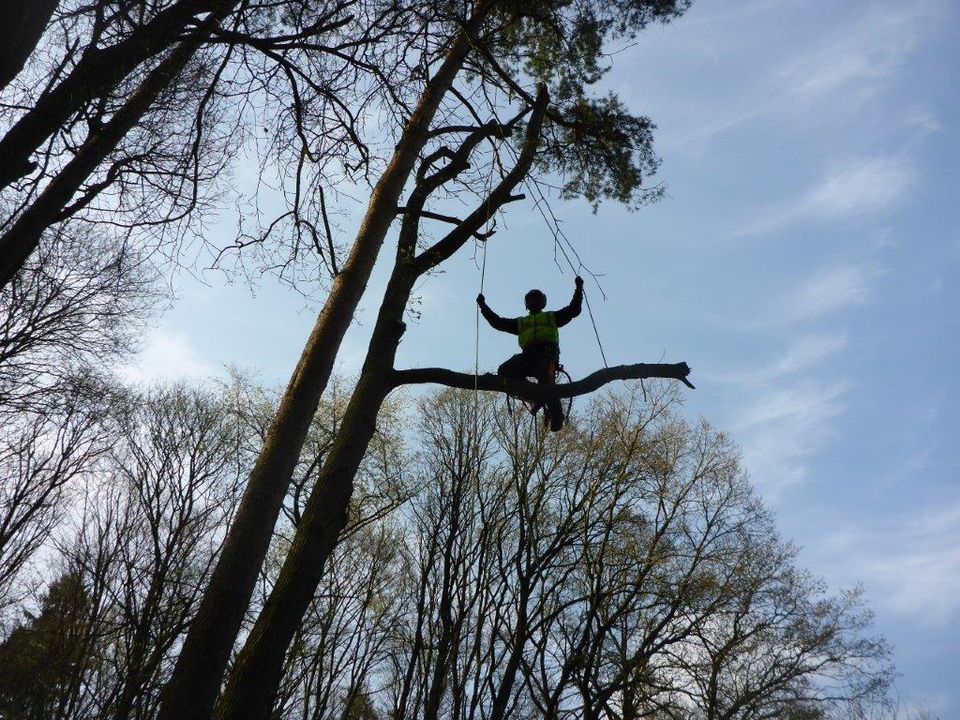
x=476 y=349
x=595 y=331
x=562 y=244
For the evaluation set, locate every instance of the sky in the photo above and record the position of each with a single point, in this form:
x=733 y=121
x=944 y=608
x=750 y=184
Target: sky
x=804 y=262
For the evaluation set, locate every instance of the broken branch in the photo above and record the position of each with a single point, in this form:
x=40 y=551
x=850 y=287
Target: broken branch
x=542 y=393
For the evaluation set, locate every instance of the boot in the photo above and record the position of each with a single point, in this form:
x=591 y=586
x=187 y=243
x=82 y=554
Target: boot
x=556 y=420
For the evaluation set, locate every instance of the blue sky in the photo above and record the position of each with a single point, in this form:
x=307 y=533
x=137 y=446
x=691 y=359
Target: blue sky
x=805 y=263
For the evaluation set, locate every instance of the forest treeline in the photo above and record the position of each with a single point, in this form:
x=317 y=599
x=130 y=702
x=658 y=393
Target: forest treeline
x=621 y=569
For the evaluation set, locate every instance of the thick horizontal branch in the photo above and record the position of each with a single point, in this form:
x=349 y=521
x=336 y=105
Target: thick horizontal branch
x=534 y=391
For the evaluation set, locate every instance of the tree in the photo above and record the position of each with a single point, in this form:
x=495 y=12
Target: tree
x=622 y=569
x=143 y=526
x=489 y=53
x=130 y=113
x=40 y=659
x=139 y=539
x=75 y=308
x=177 y=465
x=70 y=313
x=43 y=455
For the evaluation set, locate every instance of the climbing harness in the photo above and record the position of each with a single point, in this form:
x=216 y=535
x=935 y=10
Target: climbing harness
x=516 y=405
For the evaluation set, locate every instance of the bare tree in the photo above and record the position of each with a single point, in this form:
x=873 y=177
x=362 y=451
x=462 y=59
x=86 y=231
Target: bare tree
x=43 y=457
x=624 y=570
x=348 y=632
x=73 y=311
x=129 y=113
x=147 y=528
x=77 y=306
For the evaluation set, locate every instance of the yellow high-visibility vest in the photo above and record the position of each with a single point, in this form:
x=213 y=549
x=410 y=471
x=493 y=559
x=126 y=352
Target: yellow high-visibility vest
x=538 y=328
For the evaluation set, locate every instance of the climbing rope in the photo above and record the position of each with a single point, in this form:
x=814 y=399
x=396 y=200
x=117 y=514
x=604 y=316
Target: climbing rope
x=476 y=349
x=476 y=367
x=596 y=332
x=562 y=243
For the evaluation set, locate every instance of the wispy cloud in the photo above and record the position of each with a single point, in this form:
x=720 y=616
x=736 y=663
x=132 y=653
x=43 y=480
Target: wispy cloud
x=867 y=48
x=807 y=351
x=167 y=356
x=832 y=290
x=859 y=187
x=911 y=567
x=859 y=59
x=782 y=430
x=798 y=359
x=790 y=407
x=925 y=121
x=825 y=295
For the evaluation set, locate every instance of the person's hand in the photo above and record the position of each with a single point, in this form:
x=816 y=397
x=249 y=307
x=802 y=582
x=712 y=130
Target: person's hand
x=579 y=281
x=481 y=300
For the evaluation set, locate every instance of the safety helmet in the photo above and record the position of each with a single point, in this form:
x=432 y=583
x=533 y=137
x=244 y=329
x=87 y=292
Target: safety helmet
x=535 y=300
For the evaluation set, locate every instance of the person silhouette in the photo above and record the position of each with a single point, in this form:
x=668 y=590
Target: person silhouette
x=539 y=337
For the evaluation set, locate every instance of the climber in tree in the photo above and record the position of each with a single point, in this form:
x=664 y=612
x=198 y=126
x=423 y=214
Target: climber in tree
x=539 y=339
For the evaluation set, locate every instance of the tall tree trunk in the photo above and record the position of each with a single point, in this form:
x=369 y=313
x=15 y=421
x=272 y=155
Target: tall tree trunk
x=193 y=687
x=23 y=25
x=259 y=666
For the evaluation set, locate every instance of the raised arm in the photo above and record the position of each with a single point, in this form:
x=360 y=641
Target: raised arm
x=565 y=315
x=507 y=325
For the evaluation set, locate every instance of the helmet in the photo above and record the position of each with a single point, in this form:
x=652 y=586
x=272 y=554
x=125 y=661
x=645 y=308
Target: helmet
x=535 y=300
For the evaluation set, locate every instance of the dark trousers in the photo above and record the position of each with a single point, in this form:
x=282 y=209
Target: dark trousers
x=539 y=362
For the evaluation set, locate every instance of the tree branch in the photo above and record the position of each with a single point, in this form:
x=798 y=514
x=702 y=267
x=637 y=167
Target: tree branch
x=542 y=393
x=500 y=195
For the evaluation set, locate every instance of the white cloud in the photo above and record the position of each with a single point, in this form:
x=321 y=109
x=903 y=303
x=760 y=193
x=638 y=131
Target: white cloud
x=808 y=350
x=805 y=352
x=837 y=288
x=784 y=428
x=860 y=187
x=925 y=121
x=167 y=356
x=791 y=403
x=825 y=75
x=911 y=568
x=870 y=47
